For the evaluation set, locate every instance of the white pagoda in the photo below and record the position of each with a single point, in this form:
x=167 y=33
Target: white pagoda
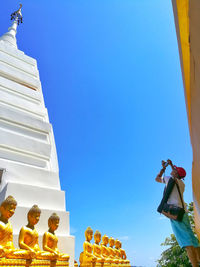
x=28 y=160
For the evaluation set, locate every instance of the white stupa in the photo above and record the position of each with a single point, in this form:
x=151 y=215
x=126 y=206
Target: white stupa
x=28 y=159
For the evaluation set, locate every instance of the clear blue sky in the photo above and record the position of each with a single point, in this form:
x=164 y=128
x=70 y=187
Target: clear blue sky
x=112 y=84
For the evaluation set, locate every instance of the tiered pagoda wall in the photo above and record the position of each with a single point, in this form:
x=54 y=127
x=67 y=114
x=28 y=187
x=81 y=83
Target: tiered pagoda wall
x=27 y=147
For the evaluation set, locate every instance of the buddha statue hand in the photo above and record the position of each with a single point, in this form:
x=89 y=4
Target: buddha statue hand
x=32 y=254
x=94 y=259
x=55 y=255
x=2 y=252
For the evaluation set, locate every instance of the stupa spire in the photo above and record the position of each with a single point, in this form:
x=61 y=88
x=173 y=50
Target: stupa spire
x=10 y=36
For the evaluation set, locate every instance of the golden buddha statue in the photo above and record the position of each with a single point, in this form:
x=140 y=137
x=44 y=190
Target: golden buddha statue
x=105 y=250
x=28 y=236
x=112 y=250
x=97 y=248
x=7 y=249
x=87 y=257
x=123 y=254
x=50 y=240
x=118 y=252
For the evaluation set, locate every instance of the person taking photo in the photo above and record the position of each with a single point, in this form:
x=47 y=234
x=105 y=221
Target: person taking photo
x=182 y=229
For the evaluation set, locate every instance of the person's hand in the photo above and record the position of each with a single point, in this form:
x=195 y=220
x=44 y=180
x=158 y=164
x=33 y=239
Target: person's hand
x=169 y=162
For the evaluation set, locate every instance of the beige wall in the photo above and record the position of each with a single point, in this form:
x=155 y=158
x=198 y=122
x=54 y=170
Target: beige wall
x=194 y=15
x=187 y=21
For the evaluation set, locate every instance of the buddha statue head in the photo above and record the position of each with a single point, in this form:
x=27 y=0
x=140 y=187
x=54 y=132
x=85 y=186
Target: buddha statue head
x=97 y=237
x=117 y=244
x=53 y=222
x=34 y=215
x=111 y=241
x=88 y=234
x=105 y=240
x=7 y=208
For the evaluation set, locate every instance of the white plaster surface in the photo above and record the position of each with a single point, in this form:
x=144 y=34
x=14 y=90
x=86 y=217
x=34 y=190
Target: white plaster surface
x=27 y=147
x=20 y=90
x=20 y=104
x=21 y=118
x=18 y=63
x=18 y=75
x=16 y=53
x=28 y=175
x=28 y=195
x=24 y=144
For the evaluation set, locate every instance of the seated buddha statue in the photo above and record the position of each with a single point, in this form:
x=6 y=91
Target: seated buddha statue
x=105 y=250
x=97 y=248
x=50 y=240
x=123 y=254
x=112 y=250
x=28 y=236
x=118 y=252
x=87 y=256
x=7 y=249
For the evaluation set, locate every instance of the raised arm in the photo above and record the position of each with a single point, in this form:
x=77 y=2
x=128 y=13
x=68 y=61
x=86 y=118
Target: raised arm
x=159 y=176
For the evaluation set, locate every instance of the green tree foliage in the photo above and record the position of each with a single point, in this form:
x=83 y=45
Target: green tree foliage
x=175 y=256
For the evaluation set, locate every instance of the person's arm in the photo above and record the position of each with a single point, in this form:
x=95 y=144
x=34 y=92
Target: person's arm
x=159 y=176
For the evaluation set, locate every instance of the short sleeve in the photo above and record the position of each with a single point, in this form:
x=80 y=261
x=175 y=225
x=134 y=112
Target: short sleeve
x=165 y=179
